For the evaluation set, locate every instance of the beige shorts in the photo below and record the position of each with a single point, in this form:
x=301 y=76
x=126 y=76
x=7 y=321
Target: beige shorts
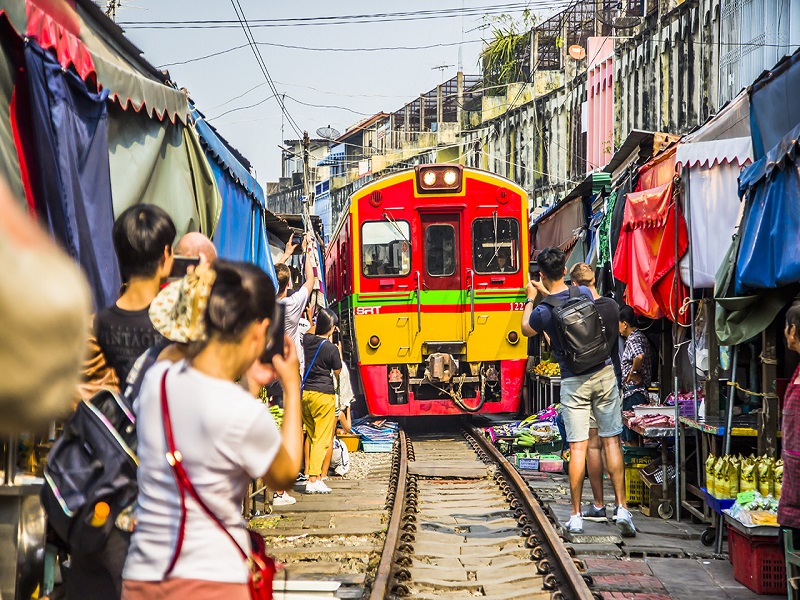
x=591 y=401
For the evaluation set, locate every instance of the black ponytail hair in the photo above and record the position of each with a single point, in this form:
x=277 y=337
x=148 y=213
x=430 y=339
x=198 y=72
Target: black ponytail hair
x=242 y=294
x=326 y=321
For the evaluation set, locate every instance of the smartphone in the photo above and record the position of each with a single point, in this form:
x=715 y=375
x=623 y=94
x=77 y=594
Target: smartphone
x=181 y=264
x=336 y=336
x=275 y=333
x=533 y=267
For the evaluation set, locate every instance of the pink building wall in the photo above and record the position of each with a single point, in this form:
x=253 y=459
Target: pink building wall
x=600 y=102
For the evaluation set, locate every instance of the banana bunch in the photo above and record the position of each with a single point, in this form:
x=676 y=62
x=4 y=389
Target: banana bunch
x=548 y=369
x=277 y=414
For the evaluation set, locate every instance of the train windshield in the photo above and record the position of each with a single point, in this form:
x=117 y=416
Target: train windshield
x=440 y=250
x=495 y=245
x=385 y=248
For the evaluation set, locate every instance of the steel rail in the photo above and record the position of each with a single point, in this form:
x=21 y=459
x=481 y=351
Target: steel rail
x=383 y=575
x=566 y=570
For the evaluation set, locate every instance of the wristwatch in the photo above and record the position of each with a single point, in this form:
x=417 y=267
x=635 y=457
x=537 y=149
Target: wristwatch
x=529 y=301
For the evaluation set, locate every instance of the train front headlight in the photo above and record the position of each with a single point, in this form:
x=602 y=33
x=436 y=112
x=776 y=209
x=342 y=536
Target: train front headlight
x=439 y=179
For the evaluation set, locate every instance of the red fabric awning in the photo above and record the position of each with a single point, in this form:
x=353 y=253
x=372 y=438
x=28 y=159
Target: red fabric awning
x=646 y=257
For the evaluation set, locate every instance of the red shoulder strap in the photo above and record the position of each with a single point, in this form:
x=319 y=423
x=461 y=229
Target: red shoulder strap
x=184 y=484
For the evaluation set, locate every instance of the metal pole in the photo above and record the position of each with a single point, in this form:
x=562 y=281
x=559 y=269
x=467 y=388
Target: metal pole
x=731 y=398
x=676 y=330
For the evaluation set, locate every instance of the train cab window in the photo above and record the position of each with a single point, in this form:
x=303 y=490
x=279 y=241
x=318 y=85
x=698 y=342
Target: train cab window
x=495 y=245
x=440 y=250
x=385 y=248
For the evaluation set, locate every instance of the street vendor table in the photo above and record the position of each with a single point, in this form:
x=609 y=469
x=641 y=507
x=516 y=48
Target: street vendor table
x=664 y=505
x=712 y=432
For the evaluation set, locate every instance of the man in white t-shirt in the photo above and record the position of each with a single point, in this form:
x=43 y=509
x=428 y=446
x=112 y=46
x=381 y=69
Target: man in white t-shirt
x=295 y=307
x=295 y=303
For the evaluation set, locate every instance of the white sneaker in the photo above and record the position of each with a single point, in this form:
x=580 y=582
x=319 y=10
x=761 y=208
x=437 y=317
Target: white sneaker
x=575 y=524
x=625 y=522
x=317 y=487
x=282 y=499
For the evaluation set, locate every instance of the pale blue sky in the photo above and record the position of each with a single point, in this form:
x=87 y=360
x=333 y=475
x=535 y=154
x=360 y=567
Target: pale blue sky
x=365 y=82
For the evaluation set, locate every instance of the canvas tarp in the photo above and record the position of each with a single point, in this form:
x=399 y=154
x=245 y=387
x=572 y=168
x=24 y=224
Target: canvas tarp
x=739 y=317
x=9 y=162
x=646 y=255
x=769 y=256
x=162 y=164
x=774 y=109
x=71 y=29
x=561 y=227
x=710 y=176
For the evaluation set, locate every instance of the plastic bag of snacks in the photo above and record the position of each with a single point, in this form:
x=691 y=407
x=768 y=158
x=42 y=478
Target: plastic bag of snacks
x=710 y=479
x=734 y=469
x=778 y=478
x=721 y=485
x=747 y=476
x=765 y=476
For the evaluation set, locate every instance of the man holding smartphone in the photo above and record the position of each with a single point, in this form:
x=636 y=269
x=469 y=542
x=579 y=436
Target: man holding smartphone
x=294 y=306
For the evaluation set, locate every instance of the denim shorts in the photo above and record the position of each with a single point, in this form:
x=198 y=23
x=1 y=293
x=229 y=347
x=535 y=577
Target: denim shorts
x=585 y=395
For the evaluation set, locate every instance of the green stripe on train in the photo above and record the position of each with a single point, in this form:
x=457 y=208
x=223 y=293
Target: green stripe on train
x=435 y=297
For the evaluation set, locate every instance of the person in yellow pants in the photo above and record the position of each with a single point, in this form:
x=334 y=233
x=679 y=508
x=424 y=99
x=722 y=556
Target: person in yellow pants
x=323 y=362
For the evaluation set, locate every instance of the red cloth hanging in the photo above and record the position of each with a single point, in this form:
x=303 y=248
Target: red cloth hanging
x=645 y=259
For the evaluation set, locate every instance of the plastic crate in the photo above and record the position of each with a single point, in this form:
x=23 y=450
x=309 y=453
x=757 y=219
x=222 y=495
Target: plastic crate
x=382 y=446
x=526 y=463
x=639 y=454
x=548 y=447
x=635 y=488
x=350 y=440
x=654 y=474
x=758 y=562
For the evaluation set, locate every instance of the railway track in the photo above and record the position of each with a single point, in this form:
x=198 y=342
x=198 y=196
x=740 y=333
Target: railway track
x=464 y=524
x=446 y=516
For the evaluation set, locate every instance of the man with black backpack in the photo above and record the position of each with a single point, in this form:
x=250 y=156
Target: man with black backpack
x=570 y=319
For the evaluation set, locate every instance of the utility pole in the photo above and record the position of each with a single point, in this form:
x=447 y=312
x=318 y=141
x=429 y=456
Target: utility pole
x=111 y=9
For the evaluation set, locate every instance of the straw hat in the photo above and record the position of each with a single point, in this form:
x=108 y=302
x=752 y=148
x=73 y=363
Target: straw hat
x=178 y=311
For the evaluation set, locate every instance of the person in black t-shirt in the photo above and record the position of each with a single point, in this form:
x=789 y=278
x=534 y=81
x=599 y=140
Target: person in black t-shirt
x=319 y=399
x=582 y=274
x=143 y=237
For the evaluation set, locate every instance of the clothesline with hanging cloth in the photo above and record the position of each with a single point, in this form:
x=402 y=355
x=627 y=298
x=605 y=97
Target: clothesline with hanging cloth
x=646 y=258
x=710 y=172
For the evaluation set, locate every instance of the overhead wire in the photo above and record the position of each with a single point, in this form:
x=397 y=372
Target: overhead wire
x=388 y=17
x=237 y=7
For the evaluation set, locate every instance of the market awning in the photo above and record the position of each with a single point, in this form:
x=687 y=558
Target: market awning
x=82 y=36
x=225 y=158
x=562 y=227
x=732 y=121
x=769 y=255
x=710 y=173
x=774 y=109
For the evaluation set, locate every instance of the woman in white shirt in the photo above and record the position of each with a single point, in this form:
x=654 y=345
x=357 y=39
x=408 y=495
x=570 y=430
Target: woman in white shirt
x=225 y=436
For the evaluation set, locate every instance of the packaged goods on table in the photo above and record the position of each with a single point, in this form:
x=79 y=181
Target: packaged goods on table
x=728 y=476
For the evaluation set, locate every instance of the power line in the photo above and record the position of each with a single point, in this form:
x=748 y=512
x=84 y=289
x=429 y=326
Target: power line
x=448 y=13
x=316 y=49
x=260 y=60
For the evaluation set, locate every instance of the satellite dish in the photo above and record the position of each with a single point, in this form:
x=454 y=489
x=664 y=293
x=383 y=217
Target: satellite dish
x=328 y=133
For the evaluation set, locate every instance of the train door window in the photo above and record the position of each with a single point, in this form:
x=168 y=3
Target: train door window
x=440 y=250
x=495 y=245
x=385 y=248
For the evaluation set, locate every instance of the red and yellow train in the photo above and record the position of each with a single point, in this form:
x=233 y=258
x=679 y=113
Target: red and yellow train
x=427 y=272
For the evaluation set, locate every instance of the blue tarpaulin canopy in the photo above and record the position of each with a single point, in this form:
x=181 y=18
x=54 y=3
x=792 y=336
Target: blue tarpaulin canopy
x=774 y=109
x=769 y=254
x=241 y=232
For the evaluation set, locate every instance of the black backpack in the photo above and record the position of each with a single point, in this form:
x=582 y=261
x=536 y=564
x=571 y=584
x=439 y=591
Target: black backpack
x=93 y=461
x=579 y=331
